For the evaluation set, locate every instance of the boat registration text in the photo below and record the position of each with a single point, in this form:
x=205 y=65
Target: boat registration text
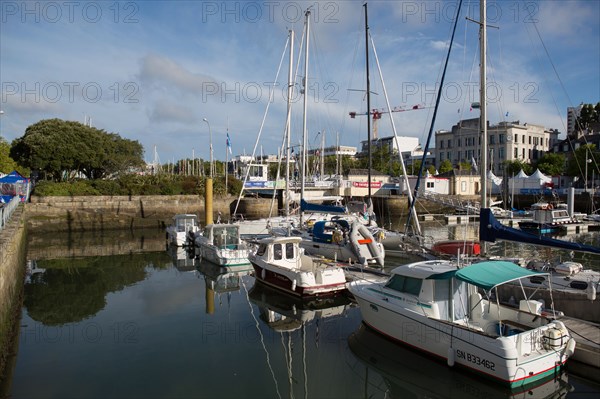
x=475 y=359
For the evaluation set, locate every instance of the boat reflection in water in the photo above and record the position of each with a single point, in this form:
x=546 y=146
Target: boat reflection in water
x=278 y=309
x=220 y=280
x=407 y=373
x=181 y=258
x=304 y=329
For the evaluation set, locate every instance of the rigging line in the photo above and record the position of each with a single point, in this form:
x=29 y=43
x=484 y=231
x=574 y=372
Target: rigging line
x=262 y=340
x=568 y=138
x=387 y=101
x=437 y=103
x=466 y=98
x=555 y=72
x=350 y=84
x=262 y=124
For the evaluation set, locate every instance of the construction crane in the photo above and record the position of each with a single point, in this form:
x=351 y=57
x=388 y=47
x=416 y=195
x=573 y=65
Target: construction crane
x=378 y=112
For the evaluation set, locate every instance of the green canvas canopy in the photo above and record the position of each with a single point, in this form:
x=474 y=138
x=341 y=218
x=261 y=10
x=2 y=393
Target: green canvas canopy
x=490 y=274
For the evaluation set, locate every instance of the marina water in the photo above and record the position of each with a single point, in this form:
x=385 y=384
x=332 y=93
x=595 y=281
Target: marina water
x=136 y=320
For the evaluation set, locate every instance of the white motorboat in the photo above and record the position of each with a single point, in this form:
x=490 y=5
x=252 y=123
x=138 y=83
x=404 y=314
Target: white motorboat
x=548 y=218
x=221 y=244
x=183 y=224
x=437 y=308
x=281 y=263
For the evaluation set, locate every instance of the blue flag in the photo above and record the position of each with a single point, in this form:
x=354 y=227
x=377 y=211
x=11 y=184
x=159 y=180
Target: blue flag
x=228 y=143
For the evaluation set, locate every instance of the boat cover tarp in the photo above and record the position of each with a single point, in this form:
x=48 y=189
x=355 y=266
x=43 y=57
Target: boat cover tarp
x=308 y=207
x=490 y=274
x=490 y=230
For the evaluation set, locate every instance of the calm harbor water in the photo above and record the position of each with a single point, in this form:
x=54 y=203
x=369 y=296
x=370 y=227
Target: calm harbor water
x=117 y=316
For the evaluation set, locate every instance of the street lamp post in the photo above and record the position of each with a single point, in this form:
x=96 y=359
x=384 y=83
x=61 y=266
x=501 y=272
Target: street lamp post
x=211 y=147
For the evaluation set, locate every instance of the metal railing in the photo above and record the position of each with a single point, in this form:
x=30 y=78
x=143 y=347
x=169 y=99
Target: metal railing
x=7 y=210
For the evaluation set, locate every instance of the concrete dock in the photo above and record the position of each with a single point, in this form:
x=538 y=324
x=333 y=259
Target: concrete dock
x=586 y=359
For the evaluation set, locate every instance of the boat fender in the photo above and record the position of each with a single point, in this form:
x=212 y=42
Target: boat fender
x=550 y=207
x=570 y=349
x=591 y=292
x=375 y=248
x=263 y=274
x=450 y=357
x=294 y=283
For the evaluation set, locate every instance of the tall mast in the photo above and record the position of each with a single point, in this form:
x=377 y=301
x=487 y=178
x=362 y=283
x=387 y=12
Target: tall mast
x=288 y=124
x=304 y=133
x=482 y=103
x=483 y=108
x=368 y=105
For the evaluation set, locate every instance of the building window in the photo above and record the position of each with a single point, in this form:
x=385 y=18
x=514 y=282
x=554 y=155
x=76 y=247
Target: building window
x=529 y=140
x=523 y=153
x=449 y=156
x=463 y=186
x=516 y=154
x=430 y=184
x=441 y=143
x=458 y=142
x=516 y=138
x=523 y=139
x=501 y=138
x=492 y=139
x=501 y=152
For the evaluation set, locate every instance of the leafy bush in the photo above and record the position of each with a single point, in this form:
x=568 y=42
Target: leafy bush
x=46 y=188
x=133 y=184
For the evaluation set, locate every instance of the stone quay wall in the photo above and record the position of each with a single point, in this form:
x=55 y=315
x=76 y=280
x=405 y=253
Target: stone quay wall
x=96 y=213
x=12 y=274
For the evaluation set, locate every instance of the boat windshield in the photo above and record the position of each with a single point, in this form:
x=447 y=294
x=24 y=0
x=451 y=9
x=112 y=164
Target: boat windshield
x=409 y=285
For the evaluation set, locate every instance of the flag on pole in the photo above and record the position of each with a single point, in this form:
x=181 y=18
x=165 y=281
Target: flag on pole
x=229 y=143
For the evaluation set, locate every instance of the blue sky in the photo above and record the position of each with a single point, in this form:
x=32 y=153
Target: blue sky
x=152 y=71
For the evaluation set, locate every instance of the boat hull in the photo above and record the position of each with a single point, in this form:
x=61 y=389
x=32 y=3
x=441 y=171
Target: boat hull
x=454 y=247
x=224 y=257
x=298 y=284
x=493 y=357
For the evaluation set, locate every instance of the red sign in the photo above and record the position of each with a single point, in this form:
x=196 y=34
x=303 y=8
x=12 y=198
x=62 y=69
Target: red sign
x=364 y=184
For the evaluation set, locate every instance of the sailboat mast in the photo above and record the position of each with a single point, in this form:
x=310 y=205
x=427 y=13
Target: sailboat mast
x=482 y=103
x=483 y=108
x=368 y=105
x=304 y=133
x=288 y=124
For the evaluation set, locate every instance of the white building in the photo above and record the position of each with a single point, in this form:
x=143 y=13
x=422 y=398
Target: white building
x=507 y=141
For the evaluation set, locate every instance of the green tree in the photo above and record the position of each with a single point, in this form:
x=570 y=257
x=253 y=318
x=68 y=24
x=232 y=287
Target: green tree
x=576 y=165
x=551 y=164
x=445 y=166
x=60 y=149
x=7 y=164
x=515 y=166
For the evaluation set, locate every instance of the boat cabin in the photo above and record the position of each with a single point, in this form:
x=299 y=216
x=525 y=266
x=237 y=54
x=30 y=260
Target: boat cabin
x=185 y=222
x=226 y=236
x=281 y=251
